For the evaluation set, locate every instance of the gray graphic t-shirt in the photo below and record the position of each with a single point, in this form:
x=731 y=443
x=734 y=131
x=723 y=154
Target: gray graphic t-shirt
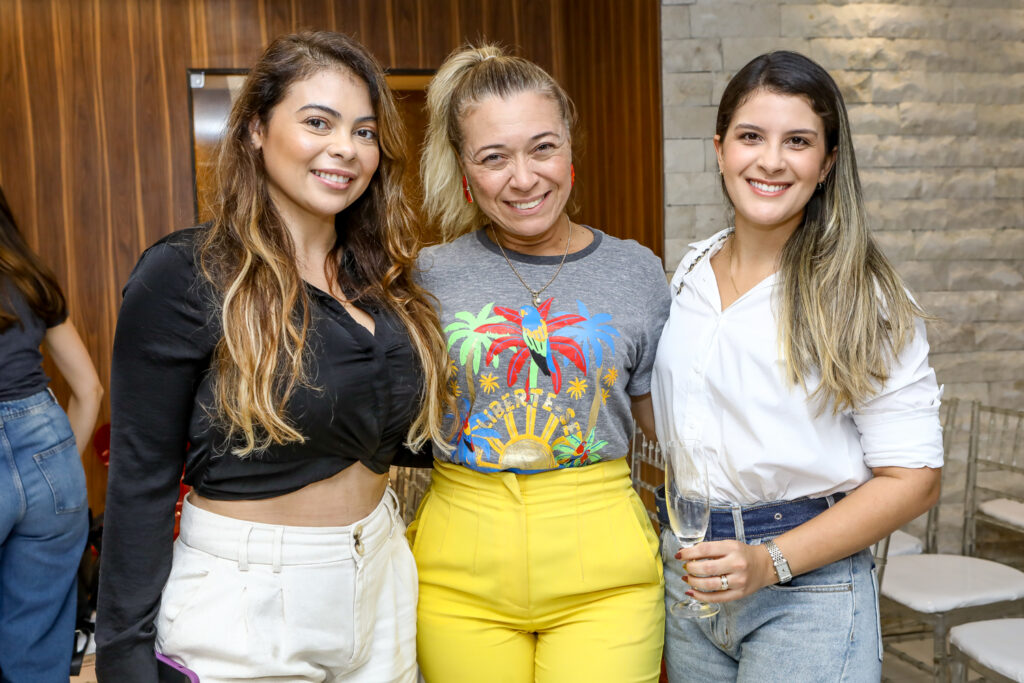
x=547 y=386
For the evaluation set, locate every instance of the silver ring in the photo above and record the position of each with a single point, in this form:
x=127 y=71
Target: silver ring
x=725 y=582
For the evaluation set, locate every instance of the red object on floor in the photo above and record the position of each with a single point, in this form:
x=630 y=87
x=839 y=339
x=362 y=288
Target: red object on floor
x=101 y=443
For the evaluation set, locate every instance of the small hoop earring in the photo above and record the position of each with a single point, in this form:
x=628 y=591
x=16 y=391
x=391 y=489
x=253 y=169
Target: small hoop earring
x=821 y=186
x=572 y=171
x=466 y=191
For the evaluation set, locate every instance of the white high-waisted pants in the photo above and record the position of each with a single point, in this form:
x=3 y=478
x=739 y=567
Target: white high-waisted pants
x=284 y=603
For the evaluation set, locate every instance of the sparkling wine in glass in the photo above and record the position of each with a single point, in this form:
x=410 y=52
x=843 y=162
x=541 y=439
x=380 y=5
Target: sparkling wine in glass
x=687 y=495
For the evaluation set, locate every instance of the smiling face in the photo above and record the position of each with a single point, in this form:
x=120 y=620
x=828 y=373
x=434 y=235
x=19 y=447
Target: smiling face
x=517 y=156
x=772 y=156
x=319 y=147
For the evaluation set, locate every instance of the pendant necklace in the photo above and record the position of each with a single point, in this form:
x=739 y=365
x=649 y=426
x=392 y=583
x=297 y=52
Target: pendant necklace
x=535 y=293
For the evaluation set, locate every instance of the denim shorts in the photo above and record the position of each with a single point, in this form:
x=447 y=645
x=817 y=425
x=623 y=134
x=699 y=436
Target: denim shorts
x=821 y=626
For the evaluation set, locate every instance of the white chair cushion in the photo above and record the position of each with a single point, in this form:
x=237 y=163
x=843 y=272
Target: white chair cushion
x=902 y=543
x=995 y=643
x=940 y=583
x=1005 y=510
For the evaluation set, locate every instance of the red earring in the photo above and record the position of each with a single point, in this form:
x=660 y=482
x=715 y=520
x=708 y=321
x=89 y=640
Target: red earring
x=572 y=170
x=466 y=191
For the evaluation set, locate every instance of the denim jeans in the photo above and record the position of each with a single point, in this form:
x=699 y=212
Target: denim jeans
x=43 y=529
x=822 y=626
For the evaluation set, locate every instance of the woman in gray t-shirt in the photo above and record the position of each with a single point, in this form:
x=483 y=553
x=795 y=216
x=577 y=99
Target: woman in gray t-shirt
x=537 y=560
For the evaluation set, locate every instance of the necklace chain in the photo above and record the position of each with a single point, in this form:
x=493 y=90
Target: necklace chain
x=728 y=269
x=534 y=293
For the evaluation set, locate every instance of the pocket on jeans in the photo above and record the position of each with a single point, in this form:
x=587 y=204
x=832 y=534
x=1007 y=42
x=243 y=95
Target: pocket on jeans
x=832 y=578
x=63 y=471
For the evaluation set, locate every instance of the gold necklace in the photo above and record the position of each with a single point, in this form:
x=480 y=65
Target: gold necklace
x=728 y=269
x=535 y=294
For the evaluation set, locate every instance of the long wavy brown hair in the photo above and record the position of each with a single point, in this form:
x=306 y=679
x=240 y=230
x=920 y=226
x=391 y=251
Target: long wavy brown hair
x=249 y=257
x=20 y=267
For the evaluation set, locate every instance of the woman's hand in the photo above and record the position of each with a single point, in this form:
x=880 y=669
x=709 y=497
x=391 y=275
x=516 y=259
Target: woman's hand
x=746 y=568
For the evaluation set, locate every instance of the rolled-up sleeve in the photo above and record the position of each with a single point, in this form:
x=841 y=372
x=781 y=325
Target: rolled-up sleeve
x=899 y=427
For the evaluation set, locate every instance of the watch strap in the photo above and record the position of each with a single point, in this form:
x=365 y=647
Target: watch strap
x=779 y=560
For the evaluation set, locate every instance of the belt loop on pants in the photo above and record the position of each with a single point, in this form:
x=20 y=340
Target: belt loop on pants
x=278 y=549
x=737 y=522
x=243 y=547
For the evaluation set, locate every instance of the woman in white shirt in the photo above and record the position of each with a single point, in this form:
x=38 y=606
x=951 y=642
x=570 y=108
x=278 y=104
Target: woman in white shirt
x=795 y=355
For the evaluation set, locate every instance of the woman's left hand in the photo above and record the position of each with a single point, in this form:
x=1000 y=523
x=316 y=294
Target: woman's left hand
x=745 y=568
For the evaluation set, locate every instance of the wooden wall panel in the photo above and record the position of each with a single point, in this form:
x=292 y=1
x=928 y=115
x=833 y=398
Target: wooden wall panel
x=612 y=70
x=95 y=129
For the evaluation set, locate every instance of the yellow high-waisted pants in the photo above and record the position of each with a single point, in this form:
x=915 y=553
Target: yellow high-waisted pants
x=552 y=577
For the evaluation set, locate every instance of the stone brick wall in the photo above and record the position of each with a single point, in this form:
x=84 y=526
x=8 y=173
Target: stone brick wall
x=935 y=91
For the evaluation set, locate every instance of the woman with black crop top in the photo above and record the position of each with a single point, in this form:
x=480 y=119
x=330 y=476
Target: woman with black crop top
x=44 y=514
x=283 y=356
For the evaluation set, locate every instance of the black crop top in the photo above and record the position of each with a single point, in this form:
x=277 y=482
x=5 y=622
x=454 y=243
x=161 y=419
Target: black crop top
x=363 y=396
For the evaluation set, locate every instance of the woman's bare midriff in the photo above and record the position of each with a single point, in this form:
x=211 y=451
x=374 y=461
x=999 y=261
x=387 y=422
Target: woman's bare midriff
x=343 y=499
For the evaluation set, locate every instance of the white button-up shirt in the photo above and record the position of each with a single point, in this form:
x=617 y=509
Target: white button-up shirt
x=719 y=377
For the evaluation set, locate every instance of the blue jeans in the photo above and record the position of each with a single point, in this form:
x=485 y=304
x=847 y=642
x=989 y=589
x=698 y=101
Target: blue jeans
x=822 y=626
x=43 y=528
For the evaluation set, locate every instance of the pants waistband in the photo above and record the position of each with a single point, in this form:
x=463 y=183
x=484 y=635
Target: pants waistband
x=610 y=475
x=755 y=522
x=19 y=407
x=279 y=545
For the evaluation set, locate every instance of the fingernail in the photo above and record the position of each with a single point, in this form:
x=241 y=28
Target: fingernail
x=690 y=593
x=679 y=554
x=686 y=579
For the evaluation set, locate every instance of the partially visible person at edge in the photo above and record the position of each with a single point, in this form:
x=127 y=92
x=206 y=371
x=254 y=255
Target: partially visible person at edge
x=795 y=354
x=280 y=354
x=537 y=560
x=44 y=510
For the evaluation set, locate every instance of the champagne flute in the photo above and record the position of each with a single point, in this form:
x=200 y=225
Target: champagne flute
x=687 y=495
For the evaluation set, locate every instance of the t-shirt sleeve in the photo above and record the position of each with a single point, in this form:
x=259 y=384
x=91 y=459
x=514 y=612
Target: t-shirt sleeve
x=59 y=320
x=161 y=349
x=655 y=308
x=899 y=426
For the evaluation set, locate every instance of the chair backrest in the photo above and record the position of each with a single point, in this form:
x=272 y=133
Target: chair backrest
x=647 y=469
x=880 y=551
x=947 y=414
x=409 y=483
x=995 y=463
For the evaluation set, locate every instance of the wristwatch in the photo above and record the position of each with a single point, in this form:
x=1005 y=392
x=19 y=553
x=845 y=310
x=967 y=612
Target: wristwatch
x=779 y=560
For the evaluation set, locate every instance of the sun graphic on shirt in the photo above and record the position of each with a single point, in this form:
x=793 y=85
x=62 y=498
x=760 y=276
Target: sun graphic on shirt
x=454 y=387
x=577 y=387
x=452 y=368
x=488 y=382
x=604 y=396
x=611 y=376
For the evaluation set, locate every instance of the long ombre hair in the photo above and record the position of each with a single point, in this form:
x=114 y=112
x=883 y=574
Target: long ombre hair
x=249 y=257
x=468 y=76
x=25 y=272
x=844 y=312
